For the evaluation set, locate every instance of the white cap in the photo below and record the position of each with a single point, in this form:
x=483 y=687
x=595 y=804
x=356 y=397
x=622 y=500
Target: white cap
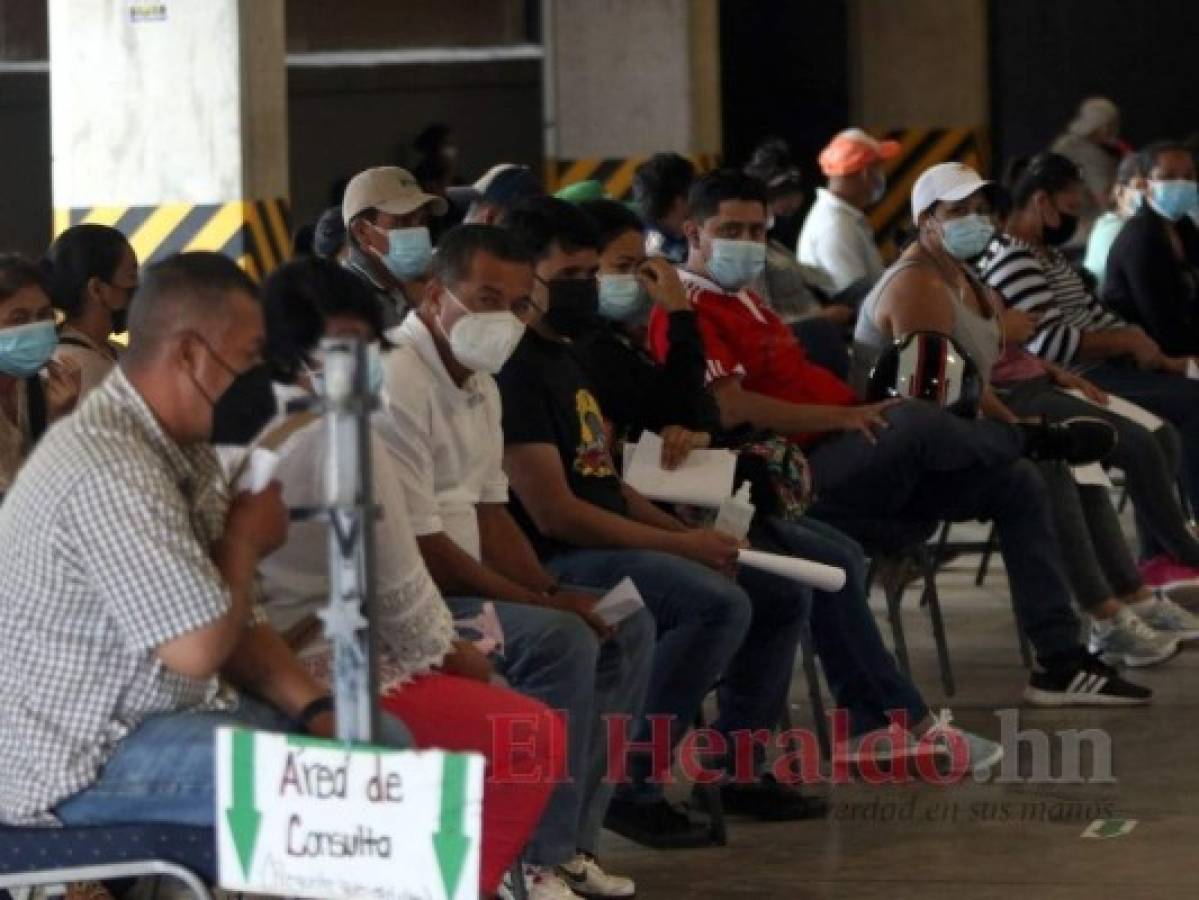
x=388 y=189
x=1094 y=113
x=951 y=181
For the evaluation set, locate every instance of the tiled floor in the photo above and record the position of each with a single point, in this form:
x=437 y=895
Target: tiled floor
x=1021 y=840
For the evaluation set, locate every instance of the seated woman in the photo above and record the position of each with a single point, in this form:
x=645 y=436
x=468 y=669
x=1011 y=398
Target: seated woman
x=1153 y=270
x=636 y=394
x=29 y=401
x=1065 y=325
x=932 y=288
x=93 y=274
x=436 y=685
x=1128 y=196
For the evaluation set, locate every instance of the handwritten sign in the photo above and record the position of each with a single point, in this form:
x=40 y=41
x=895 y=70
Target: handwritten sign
x=303 y=817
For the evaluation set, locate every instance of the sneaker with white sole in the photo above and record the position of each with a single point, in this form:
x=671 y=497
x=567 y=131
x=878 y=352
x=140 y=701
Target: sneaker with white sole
x=1165 y=616
x=981 y=754
x=586 y=877
x=541 y=883
x=881 y=746
x=1088 y=683
x=1126 y=640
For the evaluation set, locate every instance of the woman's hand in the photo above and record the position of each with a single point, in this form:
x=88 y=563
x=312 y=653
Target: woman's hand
x=1019 y=326
x=1071 y=382
x=678 y=442
x=64 y=380
x=466 y=661
x=663 y=284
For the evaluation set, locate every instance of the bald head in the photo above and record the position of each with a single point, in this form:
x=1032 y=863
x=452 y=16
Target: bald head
x=185 y=292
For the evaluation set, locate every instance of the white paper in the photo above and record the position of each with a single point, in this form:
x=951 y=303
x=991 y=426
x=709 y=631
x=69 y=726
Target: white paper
x=1122 y=407
x=1091 y=474
x=813 y=574
x=619 y=603
x=704 y=479
x=259 y=470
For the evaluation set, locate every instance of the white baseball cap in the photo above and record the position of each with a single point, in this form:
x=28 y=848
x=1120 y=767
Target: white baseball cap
x=949 y=182
x=388 y=189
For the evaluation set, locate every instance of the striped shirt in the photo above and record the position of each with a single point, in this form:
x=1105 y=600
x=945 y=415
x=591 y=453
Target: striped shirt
x=1042 y=283
x=104 y=545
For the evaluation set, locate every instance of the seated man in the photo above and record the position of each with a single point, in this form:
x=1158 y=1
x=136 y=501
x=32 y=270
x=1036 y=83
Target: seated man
x=441 y=422
x=883 y=461
x=660 y=186
x=128 y=615
x=386 y=215
x=836 y=245
x=592 y=529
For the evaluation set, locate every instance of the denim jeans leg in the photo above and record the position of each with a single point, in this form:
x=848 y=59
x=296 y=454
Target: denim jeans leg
x=701 y=618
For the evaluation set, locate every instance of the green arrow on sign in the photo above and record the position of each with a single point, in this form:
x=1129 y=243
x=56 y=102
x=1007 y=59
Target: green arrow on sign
x=450 y=843
x=244 y=819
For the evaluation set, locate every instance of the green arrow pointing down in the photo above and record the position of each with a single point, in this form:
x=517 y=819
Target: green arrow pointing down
x=244 y=819
x=450 y=843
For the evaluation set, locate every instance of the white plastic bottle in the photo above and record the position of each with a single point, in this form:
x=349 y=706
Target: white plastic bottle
x=736 y=513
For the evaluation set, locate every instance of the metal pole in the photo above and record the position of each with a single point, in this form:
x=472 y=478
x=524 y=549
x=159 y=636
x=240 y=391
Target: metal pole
x=349 y=505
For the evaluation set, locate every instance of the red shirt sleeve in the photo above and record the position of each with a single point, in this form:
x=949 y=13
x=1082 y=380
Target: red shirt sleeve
x=721 y=360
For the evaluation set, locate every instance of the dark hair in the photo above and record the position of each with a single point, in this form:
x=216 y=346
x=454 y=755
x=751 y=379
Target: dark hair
x=1150 y=154
x=458 y=247
x=297 y=298
x=659 y=182
x=329 y=233
x=772 y=165
x=719 y=185
x=1049 y=172
x=79 y=254
x=183 y=287
x=17 y=272
x=1131 y=166
x=611 y=219
x=543 y=221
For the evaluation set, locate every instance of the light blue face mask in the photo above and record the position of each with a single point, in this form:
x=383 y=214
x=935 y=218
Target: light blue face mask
x=622 y=298
x=25 y=349
x=1173 y=199
x=966 y=237
x=734 y=264
x=409 y=252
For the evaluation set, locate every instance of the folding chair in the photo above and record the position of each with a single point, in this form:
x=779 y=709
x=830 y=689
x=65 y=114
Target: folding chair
x=52 y=858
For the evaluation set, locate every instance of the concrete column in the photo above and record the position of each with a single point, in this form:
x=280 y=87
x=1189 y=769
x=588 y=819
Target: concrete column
x=919 y=64
x=169 y=121
x=628 y=78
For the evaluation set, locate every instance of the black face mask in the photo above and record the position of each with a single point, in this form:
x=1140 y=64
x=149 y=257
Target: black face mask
x=573 y=306
x=240 y=414
x=1055 y=237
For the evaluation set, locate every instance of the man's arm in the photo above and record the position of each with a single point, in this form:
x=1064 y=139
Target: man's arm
x=644 y=511
x=506 y=549
x=741 y=407
x=263 y=665
x=457 y=573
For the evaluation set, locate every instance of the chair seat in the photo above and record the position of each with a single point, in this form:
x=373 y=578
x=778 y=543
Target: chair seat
x=39 y=849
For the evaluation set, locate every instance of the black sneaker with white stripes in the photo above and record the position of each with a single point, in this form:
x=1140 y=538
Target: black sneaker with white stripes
x=1090 y=683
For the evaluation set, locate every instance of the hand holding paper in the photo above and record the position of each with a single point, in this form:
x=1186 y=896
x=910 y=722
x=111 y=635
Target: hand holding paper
x=705 y=477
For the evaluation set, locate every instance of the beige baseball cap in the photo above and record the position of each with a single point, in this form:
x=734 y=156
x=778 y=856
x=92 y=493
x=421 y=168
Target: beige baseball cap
x=388 y=189
x=951 y=182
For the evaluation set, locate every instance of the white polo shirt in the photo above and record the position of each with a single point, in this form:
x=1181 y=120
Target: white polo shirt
x=836 y=246
x=448 y=439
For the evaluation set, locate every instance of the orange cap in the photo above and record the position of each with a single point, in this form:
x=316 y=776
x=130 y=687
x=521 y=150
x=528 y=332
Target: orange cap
x=853 y=150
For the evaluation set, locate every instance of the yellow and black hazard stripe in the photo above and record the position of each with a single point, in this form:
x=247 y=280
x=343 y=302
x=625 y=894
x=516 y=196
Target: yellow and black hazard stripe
x=616 y=174
x=920 y=149
x=255 y=233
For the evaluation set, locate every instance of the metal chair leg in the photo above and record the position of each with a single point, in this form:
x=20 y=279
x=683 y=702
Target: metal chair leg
x=985 y=563
x=520 y=890
x=1022 y=638
x=717 y=827
x=894 y=595
x=933 y=600
x=815 y=697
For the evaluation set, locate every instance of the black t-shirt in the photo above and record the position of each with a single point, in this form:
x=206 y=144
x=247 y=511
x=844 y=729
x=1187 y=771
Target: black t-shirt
x=548 y=400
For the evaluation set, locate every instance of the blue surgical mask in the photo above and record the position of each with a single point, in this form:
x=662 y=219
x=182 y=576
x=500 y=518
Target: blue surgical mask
x=1173 y=199
x=409 y=252
x=734 y=264
x=25 y=349
x=622 y=298
x=967 y=236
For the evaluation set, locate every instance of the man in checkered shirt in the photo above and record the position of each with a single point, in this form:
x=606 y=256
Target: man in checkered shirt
x=127 y=615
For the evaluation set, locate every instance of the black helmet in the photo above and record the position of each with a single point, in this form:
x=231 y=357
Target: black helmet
x=927 y=365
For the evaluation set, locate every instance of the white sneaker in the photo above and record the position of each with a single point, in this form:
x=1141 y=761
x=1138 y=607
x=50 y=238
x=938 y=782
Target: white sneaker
x=1164 y=615
x=981 y=754
x=1127 y=640
x=586 y=878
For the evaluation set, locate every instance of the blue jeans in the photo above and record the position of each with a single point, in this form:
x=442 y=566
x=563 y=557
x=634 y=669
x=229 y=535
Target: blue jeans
x=861 y=673
x=556 y=658
x=164 y=771
x=930 y=465
x=702 y=620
